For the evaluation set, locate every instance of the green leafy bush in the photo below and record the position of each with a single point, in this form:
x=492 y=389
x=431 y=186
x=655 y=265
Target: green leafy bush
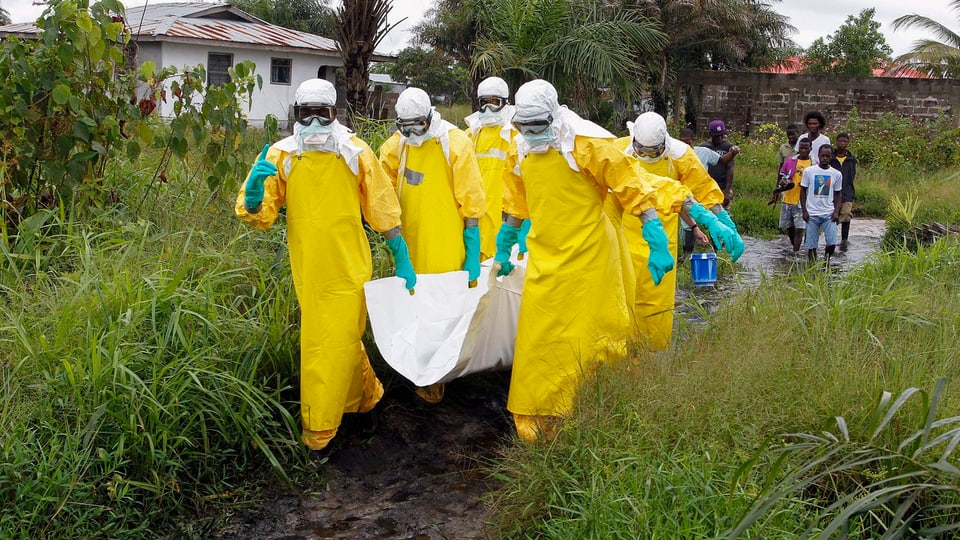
x=897 y=142
x=71 y=104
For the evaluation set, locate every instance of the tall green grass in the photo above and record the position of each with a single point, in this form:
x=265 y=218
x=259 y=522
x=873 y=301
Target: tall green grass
x=147 y=366
x=654 y=445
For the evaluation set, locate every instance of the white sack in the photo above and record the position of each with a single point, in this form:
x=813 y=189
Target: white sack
x=424 y=336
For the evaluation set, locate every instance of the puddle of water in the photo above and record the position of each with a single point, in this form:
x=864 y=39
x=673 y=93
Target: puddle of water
x=776 y=257
x=773 y=258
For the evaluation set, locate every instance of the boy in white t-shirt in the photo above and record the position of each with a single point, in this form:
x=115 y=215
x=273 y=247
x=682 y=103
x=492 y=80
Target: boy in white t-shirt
x=820 y=189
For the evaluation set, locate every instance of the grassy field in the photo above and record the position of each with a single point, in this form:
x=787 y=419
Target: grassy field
x=655 y=445
x=147 y=374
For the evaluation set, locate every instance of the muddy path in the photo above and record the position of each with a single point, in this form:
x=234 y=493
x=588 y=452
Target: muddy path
x=421 y=476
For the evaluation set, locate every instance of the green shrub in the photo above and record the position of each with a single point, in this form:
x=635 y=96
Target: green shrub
x=895 y=142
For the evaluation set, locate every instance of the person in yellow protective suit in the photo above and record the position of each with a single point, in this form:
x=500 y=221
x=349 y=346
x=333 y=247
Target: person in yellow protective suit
x=327 y=178
x=489 y=128
x=574 y=311
x=659 y=154
x=435 y=172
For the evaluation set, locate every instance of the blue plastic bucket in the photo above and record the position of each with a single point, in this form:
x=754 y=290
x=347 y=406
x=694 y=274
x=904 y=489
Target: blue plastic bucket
x=703 y=268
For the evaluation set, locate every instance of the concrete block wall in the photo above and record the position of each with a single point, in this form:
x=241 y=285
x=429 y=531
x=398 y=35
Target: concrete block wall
x=747 y=100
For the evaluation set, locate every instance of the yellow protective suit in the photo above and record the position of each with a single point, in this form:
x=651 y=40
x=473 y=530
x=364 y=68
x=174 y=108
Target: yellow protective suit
x=330 y=262
x=574 y=311
x=654 y=305
x=491 y=150
x=435 y=197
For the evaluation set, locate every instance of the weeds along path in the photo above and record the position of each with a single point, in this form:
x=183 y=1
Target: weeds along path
x=421 y=476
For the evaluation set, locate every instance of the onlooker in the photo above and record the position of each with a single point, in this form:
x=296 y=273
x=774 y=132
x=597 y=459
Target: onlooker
x=706 y=156
x=845 y=162
x=722 y=171
x=691 y=233
x=820 y=197
x=786 y=151
x=814 y=122
x=791 y=214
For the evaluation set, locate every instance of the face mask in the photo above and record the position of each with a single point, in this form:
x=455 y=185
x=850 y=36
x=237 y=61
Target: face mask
x=540 y=142
x=417 y=140
x=316 y=137
x=490 y=118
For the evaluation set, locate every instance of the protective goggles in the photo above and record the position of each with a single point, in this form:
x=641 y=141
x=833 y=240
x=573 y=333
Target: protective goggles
x=533 y=127
x=413 y=126
x=491 y=103
x=649 y=151
x=307 y=112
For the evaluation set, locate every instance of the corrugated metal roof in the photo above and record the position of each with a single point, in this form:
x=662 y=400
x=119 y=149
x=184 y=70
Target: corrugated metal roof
x=19 y=28
x=218 y=22
x=213 y=22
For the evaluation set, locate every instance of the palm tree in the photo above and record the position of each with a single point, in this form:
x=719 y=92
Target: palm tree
x=450 y=28
x=4 y=17
x=313 y=16
x=711 y=34
x=929 y=56
x=361 y=26
x=582 y=47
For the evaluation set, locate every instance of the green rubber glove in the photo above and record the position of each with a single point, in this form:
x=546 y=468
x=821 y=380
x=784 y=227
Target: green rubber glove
x=506 y=238
x=660 y=261
x=522 y=241
x=471 y=244
x=737 y=247
x=253 y=189
x=719 y=232
x=401 y=260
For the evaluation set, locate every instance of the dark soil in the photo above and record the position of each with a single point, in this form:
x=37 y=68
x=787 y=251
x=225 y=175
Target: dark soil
x=422 y=475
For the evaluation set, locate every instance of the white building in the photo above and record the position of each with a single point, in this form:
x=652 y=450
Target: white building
x=219 y=36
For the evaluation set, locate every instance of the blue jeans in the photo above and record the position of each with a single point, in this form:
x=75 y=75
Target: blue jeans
x=817 y=223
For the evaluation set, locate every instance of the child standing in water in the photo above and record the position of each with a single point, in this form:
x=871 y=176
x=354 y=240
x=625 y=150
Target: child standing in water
x=820 y=190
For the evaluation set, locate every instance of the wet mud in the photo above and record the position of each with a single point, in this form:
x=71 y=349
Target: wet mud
x=423 y=475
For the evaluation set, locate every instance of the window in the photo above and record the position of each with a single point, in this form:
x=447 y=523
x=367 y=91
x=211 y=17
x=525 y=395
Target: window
x=280 y=70
x=217 y=66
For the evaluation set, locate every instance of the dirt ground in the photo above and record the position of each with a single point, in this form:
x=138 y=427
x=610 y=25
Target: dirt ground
x=422 y=475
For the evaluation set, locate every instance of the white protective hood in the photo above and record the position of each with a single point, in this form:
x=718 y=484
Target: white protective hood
x=649 y=130
x=537 y=99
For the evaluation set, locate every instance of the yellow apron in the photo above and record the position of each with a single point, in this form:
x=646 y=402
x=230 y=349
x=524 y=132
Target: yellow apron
x=654 y=304
x=330 y=261
x=574 y=311
x=491 y=151
x=435 y=197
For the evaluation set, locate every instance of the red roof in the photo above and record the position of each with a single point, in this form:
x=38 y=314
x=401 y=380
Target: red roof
x=794 y=64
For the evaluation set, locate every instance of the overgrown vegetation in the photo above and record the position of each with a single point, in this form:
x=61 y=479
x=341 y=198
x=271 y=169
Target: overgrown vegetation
x=147 y=364
x=74 y=101
x=657 y=444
